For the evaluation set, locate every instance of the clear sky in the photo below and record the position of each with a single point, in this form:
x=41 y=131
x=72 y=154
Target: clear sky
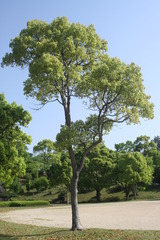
x=132 y=29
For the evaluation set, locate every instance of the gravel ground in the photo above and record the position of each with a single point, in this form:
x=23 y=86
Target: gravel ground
x=140 y=215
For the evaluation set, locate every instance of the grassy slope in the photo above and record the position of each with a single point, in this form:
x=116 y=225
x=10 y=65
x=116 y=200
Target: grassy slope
x=52 y=194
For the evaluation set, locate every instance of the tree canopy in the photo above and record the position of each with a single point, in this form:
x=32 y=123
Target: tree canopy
x=97 y=171
x=12 y=140
x=132 y=169
x=45 y=150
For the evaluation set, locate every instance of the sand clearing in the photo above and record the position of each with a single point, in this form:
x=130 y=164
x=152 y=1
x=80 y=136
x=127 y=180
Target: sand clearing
x=143 y=215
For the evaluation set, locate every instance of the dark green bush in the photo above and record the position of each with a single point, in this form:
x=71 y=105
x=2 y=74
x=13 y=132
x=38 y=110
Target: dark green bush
x=6 y=196
x=61 y=197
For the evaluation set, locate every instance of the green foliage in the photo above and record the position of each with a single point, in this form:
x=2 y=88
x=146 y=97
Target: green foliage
x=44 y=146
x=117 y=90
x=6 y=195
x=125 y=147
x=142 y=144
x=155 y=155
x=41 y=183
x=97 y=171
x=60 y=173
x=12 y=140
x=32 y=167
x=67 y=60
x=46 y=153
x=29 y=185
x=52 y=49
x=80 y=134
x=133 y=169
x=157 y=141
x=16 y=186
x=23 y=203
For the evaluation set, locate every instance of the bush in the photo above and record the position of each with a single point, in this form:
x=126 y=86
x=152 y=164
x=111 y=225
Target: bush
x=61 y=197
x=6 y=196
x=28 y=177
x=23 y=203
x=16 y=186
x=41 y=183
x=28 y=185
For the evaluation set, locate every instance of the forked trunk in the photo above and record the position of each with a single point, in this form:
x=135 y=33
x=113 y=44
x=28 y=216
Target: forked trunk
x=76 y=224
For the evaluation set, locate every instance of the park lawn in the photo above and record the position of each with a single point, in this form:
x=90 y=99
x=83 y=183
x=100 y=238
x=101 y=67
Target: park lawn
x=22 y=232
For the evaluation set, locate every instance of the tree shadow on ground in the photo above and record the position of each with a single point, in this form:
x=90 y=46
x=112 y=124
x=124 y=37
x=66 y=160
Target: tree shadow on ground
x=28 y=236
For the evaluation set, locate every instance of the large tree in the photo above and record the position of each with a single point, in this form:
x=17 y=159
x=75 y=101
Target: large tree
x=12 y=140
x=133 y=169
x=68 y=61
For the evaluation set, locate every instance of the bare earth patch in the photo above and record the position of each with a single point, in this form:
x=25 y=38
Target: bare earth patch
x=143 y=215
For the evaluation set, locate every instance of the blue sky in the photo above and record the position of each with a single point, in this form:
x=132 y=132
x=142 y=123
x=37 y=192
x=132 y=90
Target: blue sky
x=132 y=29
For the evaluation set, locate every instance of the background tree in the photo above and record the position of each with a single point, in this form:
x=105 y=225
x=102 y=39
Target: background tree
x=125 y=147
x=41 y=183
x=157 y=141
x=12 y=140
x=45 y=150
x=97 y=171
x=143 y=144
x=68 y=60
x=133 y=169
x=60 y=173
x=155 y=155
x=32 y=169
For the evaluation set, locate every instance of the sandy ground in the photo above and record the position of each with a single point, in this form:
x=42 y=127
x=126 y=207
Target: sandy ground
x=143 y=215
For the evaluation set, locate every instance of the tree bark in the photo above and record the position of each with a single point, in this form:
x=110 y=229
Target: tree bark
x=76 y=224
x=127 y=191
x=98 y=195
x=67 y=196
x=135 y=191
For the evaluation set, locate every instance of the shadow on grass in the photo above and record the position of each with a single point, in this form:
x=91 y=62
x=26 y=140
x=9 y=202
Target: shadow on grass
x=37 y=236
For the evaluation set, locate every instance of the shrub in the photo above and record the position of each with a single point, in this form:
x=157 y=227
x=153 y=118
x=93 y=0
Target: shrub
x=41 y=183
x=28 y=185
x=61 y=197
x=23 y=203
x=6 y=196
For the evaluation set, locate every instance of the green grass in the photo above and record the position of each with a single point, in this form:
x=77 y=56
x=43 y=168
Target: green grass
x=17 y=231
x=52 y=195
x=22 y=232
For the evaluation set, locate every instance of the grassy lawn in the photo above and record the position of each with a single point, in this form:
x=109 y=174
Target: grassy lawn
x=17 y=231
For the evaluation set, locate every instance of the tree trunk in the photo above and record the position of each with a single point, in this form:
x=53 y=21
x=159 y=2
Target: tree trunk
x=127 y=191
x=98 y=195
x=135 y=191
x=67 y=196
x=76 y=224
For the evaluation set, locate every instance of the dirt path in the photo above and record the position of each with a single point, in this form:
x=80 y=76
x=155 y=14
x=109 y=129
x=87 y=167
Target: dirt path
x=144 y=215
